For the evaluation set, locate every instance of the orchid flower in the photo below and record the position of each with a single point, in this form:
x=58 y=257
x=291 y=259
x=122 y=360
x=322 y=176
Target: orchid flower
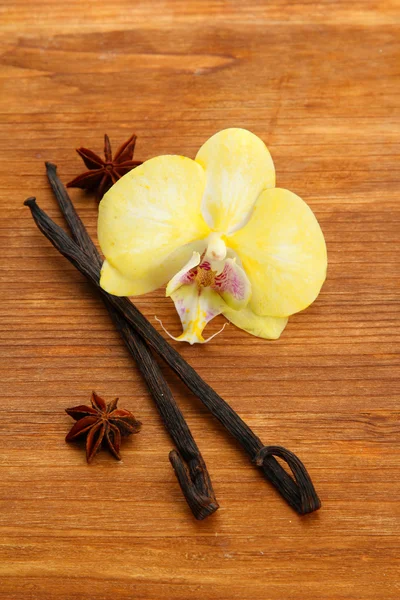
x=219 y=231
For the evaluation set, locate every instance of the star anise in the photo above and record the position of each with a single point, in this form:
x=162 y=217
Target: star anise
x=101 y=422
x=103 y=174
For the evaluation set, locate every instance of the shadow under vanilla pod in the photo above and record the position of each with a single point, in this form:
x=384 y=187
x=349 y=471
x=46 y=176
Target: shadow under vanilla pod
x=139 y=334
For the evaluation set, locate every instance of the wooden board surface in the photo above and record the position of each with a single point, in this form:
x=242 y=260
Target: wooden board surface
x=319 y=82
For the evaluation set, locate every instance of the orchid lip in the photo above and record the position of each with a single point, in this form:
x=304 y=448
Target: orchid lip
x=203 y=288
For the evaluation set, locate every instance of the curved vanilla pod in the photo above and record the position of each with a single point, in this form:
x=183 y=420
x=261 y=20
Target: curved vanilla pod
x=299 y=491
x=187 y=461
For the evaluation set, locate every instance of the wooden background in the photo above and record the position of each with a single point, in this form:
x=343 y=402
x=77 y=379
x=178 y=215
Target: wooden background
x=319 y=82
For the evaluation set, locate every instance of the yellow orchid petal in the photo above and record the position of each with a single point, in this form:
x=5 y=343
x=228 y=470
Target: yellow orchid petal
x=151 y=212
x=196 y=307
x=238 y=167
x=112 y=280
x=269 y=328
x=283 y=252
x=114 y=283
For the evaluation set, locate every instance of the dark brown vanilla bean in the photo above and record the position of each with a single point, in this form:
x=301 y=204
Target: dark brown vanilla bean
x=193 y=476
x=298 y=492
x=188 y=463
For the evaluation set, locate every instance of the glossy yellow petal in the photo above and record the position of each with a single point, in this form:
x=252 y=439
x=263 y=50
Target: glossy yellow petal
x=283 y=252
x=151 y=212
x=269 y=328
x=115 y=283
x=238 y=167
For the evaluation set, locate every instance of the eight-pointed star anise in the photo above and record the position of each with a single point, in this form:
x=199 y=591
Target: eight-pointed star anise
x=101 y=422
x=103 y=174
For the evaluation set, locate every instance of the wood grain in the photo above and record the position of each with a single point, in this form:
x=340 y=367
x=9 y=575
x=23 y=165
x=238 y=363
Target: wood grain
x=318 y=81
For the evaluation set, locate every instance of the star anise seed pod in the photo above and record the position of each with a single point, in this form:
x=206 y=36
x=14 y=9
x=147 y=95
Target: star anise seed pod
x=101 y=422
x=103 y=174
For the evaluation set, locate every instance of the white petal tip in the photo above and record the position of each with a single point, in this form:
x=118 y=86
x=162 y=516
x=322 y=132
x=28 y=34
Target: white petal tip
x=189 y=337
